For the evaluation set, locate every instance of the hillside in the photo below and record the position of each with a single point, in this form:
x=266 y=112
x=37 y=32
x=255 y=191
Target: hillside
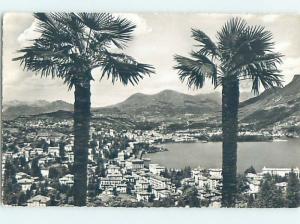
x=166 y=103
x=279 y=106
x=274 y=105
x=15 y=109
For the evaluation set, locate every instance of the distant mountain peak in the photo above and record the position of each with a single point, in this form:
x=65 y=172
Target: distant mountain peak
x=168 y=91
x=22 y=108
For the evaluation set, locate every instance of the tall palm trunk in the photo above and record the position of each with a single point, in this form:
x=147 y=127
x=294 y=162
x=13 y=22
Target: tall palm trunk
x=82 y=107
x=230 y=103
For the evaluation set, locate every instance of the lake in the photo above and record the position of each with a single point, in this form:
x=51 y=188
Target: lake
x=209 y=155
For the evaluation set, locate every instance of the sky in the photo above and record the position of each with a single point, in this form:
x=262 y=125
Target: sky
x=157 y=38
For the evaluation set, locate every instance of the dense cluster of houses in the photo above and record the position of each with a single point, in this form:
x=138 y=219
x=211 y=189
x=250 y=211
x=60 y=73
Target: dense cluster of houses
x=125 y=174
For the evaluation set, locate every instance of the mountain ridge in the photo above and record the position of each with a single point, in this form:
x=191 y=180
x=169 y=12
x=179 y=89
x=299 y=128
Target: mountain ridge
x=271 y=106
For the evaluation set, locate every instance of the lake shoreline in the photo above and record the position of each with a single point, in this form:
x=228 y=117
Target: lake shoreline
x=285 y=154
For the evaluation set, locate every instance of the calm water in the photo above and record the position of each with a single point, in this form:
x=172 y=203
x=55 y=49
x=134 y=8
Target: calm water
x=257 y=154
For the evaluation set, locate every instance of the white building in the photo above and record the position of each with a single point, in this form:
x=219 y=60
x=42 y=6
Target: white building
x=159 y=182
x=254 y=182
x=38 y=201
x=113 y=169
x=70 y=156
x=45 y=172
x=142 y=184
x=67 y=180
x=280 y=171
x=68 y=148
x=111 y=180
x=143 y=196
x=25 y=183
x=39 y=151
x=156 y=168
x=54 y=151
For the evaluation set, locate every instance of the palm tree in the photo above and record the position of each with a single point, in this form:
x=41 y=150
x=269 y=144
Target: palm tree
x=241 y=52
x=71 y=45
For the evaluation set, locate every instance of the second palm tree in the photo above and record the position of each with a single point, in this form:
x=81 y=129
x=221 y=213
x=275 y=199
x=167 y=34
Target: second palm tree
x=241 y=52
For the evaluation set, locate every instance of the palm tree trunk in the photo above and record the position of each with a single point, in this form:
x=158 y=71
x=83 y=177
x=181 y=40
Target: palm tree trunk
x=230 y=103
x=82 y=107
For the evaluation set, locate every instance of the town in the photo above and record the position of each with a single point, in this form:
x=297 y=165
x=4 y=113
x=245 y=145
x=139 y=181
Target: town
x=37 y=166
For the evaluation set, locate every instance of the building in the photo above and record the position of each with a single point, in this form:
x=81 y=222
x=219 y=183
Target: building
x=121 y=188
x=143 y=196
x=69 y=156
x=156 y=168
x=67 y=180
x=147 y=162
x=254 y=182
x=113 y=169
x=280 y=171
x=188 y=181
x=137 y=164
x=215 y=173
x=160 y=193
x=142 y=184
x=134 y=164
x=54 y=151
x=159 y=182
x=45 y=172
x=68 y=148
x=38 y=201
x=25 y=183
x=21 y=175
x=111 y=180
x=39 y=151
x=211 y=183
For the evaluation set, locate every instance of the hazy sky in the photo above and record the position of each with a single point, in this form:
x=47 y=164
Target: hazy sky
x=158 y=37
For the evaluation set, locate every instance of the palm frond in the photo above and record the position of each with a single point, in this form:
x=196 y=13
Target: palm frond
x=269 y=59
x=254 y=42
x=264 y=73
x=104 y=26
x=71 y=45
x=229 y=37
x=123 y=68
x=96 y=21
x=208 y=47
x=195 y=71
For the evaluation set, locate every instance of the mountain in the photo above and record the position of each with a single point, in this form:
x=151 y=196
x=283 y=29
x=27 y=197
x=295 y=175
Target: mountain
x=14 y=109
x=12 y=103
x=273 y=105
x=165 y=104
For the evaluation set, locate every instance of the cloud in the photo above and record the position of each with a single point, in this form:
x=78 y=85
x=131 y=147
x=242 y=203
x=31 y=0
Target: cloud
x=141 y=25
x=29 y=34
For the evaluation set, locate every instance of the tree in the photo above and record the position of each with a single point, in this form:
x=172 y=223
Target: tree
x=242 y=188
x=241 y=52
x=149 y=189
x=10 y=185
x=114 y=191
x=165 y=202
x=35 y=169
x=62 y=153
x=269 y=195
x=189 y=198
x=21 y=199
x=70 y=47
x=250 y=170
x=293 y=191
x=54 y=173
